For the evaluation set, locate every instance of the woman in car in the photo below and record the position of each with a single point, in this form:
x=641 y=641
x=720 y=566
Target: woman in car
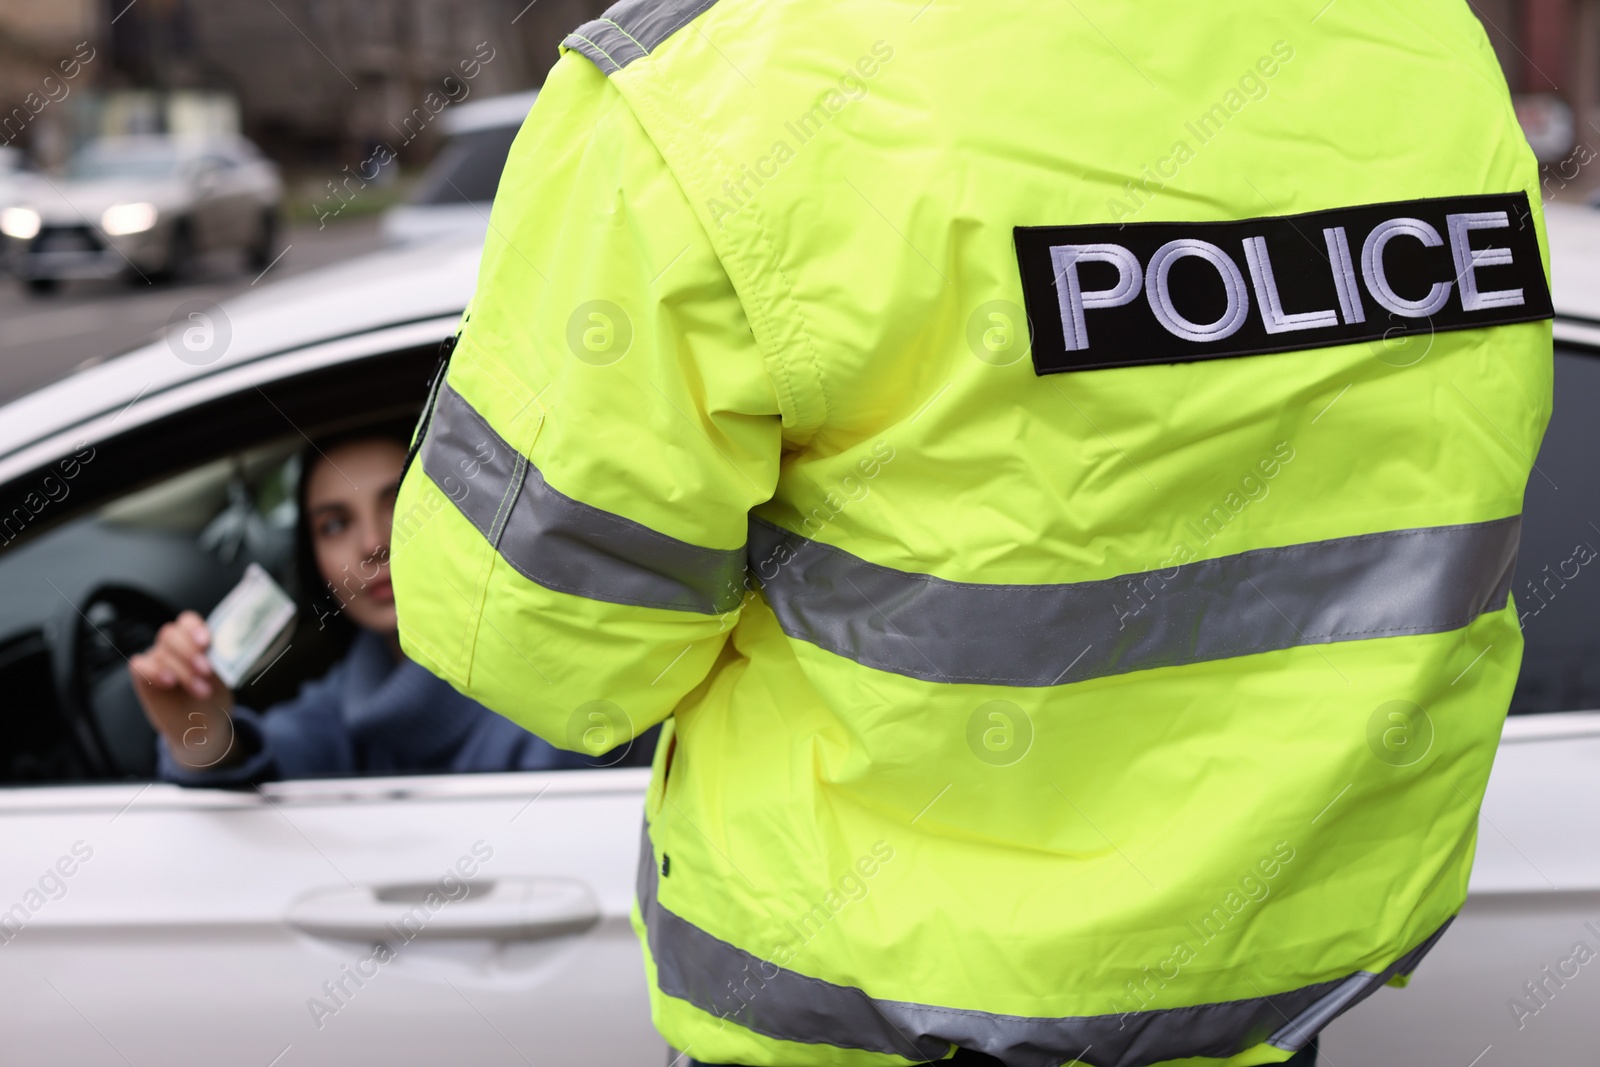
x=375 y=712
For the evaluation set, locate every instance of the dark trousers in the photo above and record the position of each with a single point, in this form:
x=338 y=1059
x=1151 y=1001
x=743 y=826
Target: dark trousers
x=1307 y=1057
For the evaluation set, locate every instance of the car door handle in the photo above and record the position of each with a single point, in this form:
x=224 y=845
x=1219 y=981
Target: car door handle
x=506 y=909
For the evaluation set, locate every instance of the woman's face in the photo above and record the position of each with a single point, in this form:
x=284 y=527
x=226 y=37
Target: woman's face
x=350 y=495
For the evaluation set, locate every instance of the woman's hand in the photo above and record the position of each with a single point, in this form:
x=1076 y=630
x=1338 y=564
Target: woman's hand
x=183 y=699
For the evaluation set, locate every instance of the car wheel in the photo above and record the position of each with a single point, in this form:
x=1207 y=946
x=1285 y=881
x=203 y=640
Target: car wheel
x=179 y=263
x=43 y=286
x=265 y=245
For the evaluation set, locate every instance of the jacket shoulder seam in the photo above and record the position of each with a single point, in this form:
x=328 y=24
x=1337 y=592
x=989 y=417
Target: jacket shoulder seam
x=631 y=30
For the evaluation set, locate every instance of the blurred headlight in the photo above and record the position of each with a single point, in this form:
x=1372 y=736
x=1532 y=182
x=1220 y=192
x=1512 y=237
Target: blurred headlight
x=19 y=222
x=121 y=219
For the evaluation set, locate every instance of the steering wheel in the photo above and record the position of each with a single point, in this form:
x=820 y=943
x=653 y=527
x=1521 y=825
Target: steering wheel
x=89 y=651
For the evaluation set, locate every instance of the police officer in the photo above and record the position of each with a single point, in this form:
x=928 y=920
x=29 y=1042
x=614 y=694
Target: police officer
x=1055 y=471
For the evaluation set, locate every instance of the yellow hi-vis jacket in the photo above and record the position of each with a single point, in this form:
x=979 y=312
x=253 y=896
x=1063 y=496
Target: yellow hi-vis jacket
x=1055 y=470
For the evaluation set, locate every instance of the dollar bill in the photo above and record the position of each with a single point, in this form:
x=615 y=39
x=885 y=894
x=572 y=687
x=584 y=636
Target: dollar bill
x=252 y=621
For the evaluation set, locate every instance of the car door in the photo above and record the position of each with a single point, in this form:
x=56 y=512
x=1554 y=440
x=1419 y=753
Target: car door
x=410 y=920
x=1516 y=980
x=405 y=921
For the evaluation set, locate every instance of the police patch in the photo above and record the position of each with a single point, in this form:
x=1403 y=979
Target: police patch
x=1109 y=295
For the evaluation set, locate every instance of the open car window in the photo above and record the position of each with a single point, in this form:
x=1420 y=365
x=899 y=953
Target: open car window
x=77 y=599
x=115 y=537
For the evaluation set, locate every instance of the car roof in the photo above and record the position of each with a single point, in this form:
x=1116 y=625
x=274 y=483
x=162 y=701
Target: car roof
x=360 y=295
x=488 y=113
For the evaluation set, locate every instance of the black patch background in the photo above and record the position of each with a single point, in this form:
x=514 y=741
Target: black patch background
x=1130 y=335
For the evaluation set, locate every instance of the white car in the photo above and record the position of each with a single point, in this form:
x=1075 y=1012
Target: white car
x=146 y=923
x=452 y=197
x=143 y=208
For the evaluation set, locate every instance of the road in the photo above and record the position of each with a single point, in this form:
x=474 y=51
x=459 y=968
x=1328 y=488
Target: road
x=43 y=338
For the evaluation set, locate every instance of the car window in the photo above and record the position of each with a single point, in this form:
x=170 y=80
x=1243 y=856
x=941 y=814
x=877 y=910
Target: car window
x=1557 y=583
x=468 y=170
x=108 y=543
x=77 y=600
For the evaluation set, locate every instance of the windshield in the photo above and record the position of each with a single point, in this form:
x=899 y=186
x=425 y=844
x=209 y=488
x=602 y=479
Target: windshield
x=468 y=170
x=141 y=163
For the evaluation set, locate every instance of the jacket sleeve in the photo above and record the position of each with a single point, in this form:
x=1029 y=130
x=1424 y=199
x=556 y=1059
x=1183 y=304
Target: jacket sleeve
x=569 y=542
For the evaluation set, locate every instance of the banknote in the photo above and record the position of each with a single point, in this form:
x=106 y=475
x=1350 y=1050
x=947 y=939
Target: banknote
x=252 y=621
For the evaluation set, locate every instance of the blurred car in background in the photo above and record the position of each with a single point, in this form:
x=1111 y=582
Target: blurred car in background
x=452 y=197
x=143 y=208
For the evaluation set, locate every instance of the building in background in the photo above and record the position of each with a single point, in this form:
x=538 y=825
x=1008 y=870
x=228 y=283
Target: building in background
x=1550 y=52
x=319 y=82
x=40 y=41
x=326 y=80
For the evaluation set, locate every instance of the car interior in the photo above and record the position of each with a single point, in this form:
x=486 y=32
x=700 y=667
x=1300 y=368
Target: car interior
x=161 y=519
